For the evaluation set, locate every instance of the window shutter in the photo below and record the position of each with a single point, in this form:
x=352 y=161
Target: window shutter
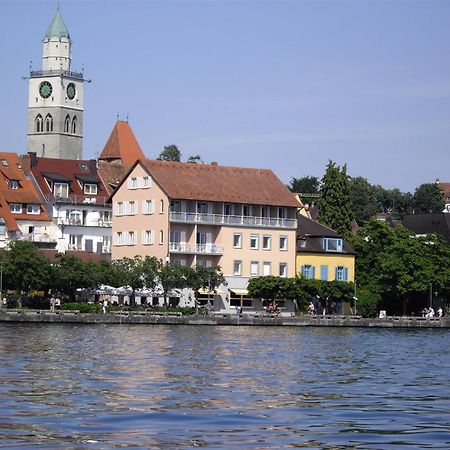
x=313 y=272
x=336 y=273
x=303 y=270
x=345 y=273
x=152 y=207
x=324 y=273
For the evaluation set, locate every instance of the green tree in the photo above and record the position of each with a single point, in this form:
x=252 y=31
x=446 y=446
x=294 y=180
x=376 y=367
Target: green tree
x=129 y=272
x=171 y=276
x=170 y=153
x=428 y=199
x=25 y=268
x=268 y=287
x=393 y=201
x=363 y=199
x=70 y=273
x=335 y=202
x=195 y=159
x=305 y=185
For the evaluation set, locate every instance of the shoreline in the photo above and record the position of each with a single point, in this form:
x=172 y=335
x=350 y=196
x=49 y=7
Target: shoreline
x=144 y=318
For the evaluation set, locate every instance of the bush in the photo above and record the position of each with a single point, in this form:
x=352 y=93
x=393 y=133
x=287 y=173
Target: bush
x=368 y=303
x=82 y=307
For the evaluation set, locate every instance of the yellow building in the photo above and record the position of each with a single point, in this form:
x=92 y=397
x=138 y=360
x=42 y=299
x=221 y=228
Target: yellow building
x=322 y=254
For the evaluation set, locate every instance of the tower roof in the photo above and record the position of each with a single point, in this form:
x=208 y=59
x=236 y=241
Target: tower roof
x=57 y=27
x=122 y=145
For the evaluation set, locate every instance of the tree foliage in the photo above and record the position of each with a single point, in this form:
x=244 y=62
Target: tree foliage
x=305 y=185
x=363 y=199
x=170 y=153
x=335 y=202
x=428 y=199
x=195 y=159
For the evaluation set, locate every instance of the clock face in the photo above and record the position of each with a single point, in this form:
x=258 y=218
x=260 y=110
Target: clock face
x=45 y=89
x=71 y=91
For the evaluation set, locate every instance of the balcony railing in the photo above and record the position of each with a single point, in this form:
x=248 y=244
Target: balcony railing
x=77 y=200
x=220 y=219
x=84 y=223
x=51 y=73
x=37 y=237
x=203 y=249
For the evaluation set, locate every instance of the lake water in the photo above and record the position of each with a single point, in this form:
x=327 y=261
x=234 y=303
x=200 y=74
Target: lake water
x=174 y=387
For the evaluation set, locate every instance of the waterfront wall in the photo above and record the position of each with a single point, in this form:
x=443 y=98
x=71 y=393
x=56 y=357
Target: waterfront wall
x=45 y=316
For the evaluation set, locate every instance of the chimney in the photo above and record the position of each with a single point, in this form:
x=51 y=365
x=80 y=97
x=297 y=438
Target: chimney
x=93 y=166
x=33 y=159
x=214 y=163
x=26 y=163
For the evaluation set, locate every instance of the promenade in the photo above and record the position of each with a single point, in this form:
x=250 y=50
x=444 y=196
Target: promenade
x=146 y=318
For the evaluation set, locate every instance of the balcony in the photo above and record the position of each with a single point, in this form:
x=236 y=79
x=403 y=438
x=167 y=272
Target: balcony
x=52 y=73
x=37 y=237
x=77 y=200
x=240 y=221
x=78 y=222
x=198 y=249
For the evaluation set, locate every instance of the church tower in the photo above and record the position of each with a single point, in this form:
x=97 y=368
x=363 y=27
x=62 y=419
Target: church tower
x=55 y=99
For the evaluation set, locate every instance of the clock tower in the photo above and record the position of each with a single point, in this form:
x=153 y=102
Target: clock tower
x=55 y=99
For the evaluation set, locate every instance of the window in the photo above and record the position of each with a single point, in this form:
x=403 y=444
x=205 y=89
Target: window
x=175 y=206
x=33 y=209
x=39 y=124
x=237 y=240
x=227 y=209
x=283 y=243
x=133 y=210
x=267 y=268
x=146 y=182
x=254 y=242
x=5 y=163
x=282 y=213
x=131 y=238
x=67 y=124
x=308 y=271
x=15 y=208
x=246 y=210
x=13 y=184
x=324 y=273
x=121 y=208
x=148 y=237
x=148 y=207
x=332 y=244
x=61 y=190
x=254 y=268
x=341 y=273
x=161 y=237
x=266 y=242
x=48 y=123
x=283 y=270
x=90 y=189
x=237 y=268
x=202 y=207
x=74 y=125
x=105 y=217
x=120 y=238
x=133 y=183
x=264 y=211
x=161 y=206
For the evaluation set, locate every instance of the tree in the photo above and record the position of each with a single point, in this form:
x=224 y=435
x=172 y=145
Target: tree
x=428 y=199
x=305 y=185
x=195 y=159
x=268 y=287
x=70 y=273
x=129 y=272
x=171 y=276
x=335 y=203
x=363 y=199
x=25 y=268
x=170 y=153
x=393 y=201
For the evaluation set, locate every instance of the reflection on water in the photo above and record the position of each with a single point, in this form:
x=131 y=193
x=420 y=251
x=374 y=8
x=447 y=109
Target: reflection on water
x=168 y=387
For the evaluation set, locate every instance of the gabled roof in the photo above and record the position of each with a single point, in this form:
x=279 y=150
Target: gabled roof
x=211 y=182
x=111 y=173
x=122 y=145
x=57 y=27
x=11 y=170
x=71 y=171
x=309 y=227
x=429 y=224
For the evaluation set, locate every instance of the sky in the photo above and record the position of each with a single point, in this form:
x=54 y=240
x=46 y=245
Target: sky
x=284 y=85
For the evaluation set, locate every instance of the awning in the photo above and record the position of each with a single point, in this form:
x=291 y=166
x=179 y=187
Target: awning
x=207 y=291
x=239 y=292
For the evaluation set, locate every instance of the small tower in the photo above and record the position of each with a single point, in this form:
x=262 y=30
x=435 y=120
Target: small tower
x=55 y=100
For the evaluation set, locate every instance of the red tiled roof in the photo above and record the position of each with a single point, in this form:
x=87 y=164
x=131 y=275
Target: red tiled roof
x=211 y=182
x=445 y=188
x=122 y=145
x=111 y=173
x=25 y=194
x=69 y=169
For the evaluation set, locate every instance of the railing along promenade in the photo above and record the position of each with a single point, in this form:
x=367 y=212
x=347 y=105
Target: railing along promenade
x=221 y=219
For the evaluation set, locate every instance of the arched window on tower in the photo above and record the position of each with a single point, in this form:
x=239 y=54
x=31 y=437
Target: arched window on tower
x=48 y=123
x=67 y=124
x=39 y=124
x=74 y=125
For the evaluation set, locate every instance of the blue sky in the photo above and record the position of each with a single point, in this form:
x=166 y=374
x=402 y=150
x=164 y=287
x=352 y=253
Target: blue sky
x=285 y=85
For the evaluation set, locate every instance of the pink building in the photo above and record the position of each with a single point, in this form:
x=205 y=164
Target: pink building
x=241 y=219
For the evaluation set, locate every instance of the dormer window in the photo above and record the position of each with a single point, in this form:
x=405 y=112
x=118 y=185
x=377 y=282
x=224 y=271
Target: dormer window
x=13 y=184
x=332 y=244
x=61 y=190
x=33 y=209
x=5 y=163
x=90 y=189
x=15 y=208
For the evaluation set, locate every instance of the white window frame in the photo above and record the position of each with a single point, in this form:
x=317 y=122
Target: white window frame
x=161 y=206
x=254 y=238
x=237 y=268
x=328 y=240
x=132 y=208
x=265 y=265
x=120 y=238
x=90 y=189
x=133 y=183
x=121 y=209
x=148 y=207
x=33 y=208
x=267 y=237
x=161 y=237
x=61 y=190
x=254 y=273
x=131 y=238
x=239 y=243
x=148 y=237
x=14 y=184
x=283 y=270
x=285 y=246
x=146 y=182
x=15 y=208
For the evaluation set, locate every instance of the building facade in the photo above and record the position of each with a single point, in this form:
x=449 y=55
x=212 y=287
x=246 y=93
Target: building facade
x=243 y=220
x=56 y=98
